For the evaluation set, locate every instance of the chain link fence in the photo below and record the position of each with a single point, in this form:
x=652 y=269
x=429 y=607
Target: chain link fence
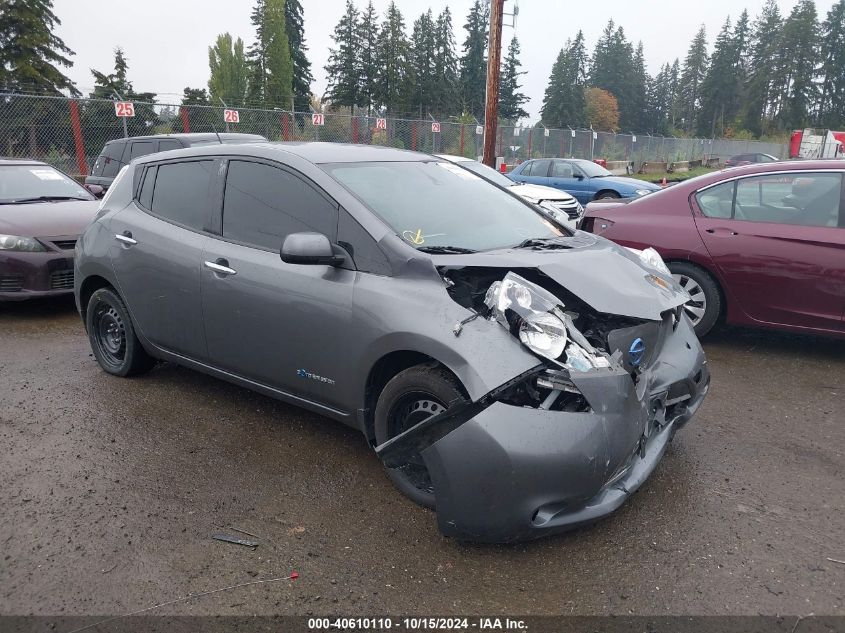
x=69 y=134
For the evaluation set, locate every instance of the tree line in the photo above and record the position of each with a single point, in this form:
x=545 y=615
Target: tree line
x=763 y=77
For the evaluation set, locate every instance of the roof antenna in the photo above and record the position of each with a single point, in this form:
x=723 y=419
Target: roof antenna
x=219 y=140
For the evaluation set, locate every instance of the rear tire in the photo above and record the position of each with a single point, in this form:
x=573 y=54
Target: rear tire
x=410 y=397
x=705 y=307
x=606 y=195
x=112 y=336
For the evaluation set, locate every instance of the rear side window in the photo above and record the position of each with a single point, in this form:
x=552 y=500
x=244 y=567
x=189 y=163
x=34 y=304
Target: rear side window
x=717 y=202
x=109 y=161
x=263 y=204
x=537 y=168
x=141 y=148
x=166 y=146
x=804 y=198
x=180 y=193
x=146 y=195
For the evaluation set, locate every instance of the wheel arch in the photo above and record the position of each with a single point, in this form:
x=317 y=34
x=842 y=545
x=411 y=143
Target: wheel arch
x=723 y=309
x=598 y=193
x=88 y=287
x=383 y=370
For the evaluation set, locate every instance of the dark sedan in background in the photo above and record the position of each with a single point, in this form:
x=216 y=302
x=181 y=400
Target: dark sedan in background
x=748 y=159
x=762 y=244
x=42 y=213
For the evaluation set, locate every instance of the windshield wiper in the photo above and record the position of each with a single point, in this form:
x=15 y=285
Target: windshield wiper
x=542 y=243
x=446 y=250
x=45 y=199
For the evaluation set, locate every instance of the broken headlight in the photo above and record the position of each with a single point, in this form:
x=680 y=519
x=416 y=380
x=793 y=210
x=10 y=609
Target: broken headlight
x=531 y=313
x=652 y=259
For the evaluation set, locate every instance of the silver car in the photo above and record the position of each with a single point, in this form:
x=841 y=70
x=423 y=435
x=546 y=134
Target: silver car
x=520 y=378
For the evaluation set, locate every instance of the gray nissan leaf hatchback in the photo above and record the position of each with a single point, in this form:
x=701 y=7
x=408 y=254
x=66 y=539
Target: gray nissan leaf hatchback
x=517 y=377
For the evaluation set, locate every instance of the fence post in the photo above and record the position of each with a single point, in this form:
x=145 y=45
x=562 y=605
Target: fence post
x=285 y=127
x=186 y=123
x=413 y=136
x=462 y=139
x=355 y=129
x=77 y=137
x=529 y=143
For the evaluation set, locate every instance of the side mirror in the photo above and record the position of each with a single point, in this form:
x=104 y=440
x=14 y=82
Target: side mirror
x=309 y=249
x=579 y=176
x=95 y=190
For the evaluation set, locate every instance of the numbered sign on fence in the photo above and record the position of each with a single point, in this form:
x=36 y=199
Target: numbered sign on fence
x=479 y=130
x=381 y=124
x=634 y=138
x=516 y=131
x=435 y=126
x=573 y=133
x=124 y=109
x=595 y=136
x=318 y=119
x=546 y=131
x=231 y=116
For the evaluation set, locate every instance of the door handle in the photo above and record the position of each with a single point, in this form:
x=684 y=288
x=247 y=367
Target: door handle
x=728 y=231
x=221 y=267
x=126 y=238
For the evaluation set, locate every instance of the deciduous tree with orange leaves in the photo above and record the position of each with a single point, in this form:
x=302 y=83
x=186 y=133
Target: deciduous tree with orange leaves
x=602 y=110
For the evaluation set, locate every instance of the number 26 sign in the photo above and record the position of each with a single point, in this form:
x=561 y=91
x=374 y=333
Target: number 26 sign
x=231 y=116
x=124 y=109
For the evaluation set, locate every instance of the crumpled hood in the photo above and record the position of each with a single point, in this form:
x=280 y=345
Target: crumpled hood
x=607 y=277
x=629 y=183
x=539 y=192
x=47 y=219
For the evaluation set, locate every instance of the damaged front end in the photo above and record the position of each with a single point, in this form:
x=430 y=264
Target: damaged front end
x=566 y=442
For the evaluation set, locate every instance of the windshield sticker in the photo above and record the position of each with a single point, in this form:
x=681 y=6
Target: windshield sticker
x=46 y=174
x=459 y=171
x=417 y=238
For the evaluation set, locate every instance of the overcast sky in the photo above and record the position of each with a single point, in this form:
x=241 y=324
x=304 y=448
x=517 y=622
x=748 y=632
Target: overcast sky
x=166 y=41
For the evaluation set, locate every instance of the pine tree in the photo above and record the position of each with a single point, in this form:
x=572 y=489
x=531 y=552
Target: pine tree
x=564 y=103
x=422 y=63
x=367 y=41
x=659 y=101
x=228 y=66
x=445 y=98
x=393 y=57
x=98 y=115
x=195 y=96
x=832 y=53
x=689 y=90
x=474 y=60
x=800 y=48
x=343 y=68
x=673 y=92
x=511 y=99
x=763 y=47
x=271 y=67
x=718 y=85
x=30 y=53
x=614 y=69
x=636 y=115
x=302 y=77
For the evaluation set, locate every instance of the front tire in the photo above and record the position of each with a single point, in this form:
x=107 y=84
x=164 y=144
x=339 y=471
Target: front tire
x=112 y=336
x=607 y=195
x=705 y=304
x=410 y=397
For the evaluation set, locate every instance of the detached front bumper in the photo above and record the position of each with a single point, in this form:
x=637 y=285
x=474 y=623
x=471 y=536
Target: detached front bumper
x=517 y=473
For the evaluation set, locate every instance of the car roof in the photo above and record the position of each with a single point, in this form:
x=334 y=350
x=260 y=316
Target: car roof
x=455 y=159
x=20 y=161
x=195 y=137
x=313 y=152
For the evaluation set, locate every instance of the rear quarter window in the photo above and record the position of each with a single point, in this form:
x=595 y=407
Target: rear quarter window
x=180 y=193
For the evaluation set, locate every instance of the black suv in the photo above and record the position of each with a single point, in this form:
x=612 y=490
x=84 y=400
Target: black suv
x=122 y=151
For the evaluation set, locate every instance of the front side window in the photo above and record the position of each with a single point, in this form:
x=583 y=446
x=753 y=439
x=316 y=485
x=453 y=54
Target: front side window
x=36 y=183
x=804 y=198
x=180 y=194
x=561 y=169
x=438 y=204
x=263 y=204
x=592 y=170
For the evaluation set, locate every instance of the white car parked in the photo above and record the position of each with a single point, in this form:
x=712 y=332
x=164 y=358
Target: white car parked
x=559 y=205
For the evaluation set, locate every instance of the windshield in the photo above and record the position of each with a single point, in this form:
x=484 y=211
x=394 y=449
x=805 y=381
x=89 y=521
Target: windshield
x=489 y=173
x=591 y=169
x=438 y=204
x=31 y=183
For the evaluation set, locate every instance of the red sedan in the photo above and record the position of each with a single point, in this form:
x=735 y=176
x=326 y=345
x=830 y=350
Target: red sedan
x=760 y=244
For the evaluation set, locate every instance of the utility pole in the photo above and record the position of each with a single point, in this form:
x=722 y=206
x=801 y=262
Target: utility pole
x=494 y=56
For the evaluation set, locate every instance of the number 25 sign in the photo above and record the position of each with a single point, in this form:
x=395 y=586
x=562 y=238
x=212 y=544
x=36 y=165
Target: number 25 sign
x=124 y=109
x=231 y=116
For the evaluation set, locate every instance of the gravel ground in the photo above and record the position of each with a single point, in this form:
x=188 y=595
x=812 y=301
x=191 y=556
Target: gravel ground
x=112 y=489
